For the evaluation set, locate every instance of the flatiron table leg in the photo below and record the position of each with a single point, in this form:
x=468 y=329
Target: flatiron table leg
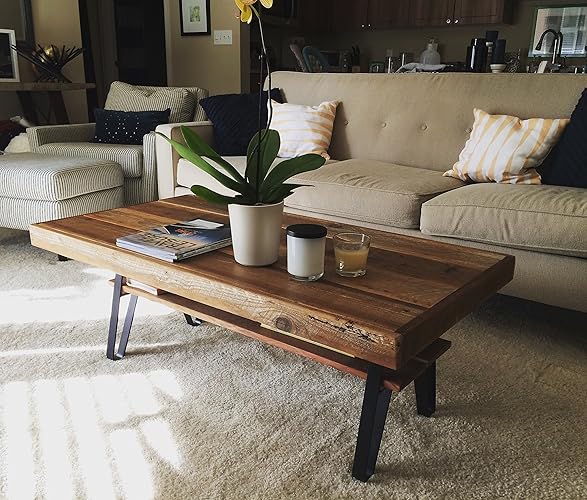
x=113 y=329
x=425 y=386
x=130 y=314
x=373 y=415
x=192 y=321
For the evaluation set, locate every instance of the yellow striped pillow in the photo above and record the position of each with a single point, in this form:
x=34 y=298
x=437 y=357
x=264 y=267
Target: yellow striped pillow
x=506 y=149
x=303 y=129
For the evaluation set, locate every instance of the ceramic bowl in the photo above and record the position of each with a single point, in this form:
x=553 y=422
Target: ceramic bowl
x=497 y=68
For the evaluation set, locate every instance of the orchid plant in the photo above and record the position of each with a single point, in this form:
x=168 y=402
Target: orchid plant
x=260 y=183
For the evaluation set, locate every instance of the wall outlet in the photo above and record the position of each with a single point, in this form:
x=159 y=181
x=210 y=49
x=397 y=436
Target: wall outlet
x=222 y=37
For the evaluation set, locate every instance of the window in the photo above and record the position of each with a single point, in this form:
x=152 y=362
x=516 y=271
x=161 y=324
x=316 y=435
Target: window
x=570 y=21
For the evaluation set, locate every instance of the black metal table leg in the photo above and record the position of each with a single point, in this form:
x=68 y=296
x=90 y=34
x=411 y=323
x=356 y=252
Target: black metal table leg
x=425 y=386
x=130 y=314
x=113 y=329
x=193 y=321
x=116 y=294
x=373 y=415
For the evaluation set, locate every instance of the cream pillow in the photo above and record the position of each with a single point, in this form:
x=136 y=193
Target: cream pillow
x=506 y=149
x=303 y=129
x=125 y=97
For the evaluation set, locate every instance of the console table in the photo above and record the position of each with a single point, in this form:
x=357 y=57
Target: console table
x=54 y=90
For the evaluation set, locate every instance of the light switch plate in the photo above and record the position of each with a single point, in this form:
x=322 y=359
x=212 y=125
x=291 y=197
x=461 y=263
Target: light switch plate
x=222 y=37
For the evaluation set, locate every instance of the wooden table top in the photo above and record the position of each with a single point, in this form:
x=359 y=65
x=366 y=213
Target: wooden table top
x=414 y=289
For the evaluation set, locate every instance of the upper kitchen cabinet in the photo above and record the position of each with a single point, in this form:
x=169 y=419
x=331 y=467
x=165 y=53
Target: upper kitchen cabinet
x=359 y=15
x=349 y=15
x=315 y=16
x=459 y=12
x=345 y=16
x=482 y=11
x=431 y=12
x=383 y=14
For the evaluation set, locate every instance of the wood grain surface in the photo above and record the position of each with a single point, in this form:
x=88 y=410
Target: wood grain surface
x=414 y=289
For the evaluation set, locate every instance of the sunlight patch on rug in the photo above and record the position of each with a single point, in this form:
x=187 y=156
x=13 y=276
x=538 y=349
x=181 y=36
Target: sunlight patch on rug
x=64 y=304
x=81 y=436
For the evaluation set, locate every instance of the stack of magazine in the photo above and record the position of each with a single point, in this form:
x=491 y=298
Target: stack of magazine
x=178 y=241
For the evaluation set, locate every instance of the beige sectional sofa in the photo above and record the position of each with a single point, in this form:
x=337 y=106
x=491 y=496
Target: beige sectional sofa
x=395 y=135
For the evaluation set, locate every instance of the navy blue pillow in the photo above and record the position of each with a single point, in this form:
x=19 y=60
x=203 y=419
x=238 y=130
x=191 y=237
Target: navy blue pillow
x=126 y=127
x=567 y=165
x=236 y=119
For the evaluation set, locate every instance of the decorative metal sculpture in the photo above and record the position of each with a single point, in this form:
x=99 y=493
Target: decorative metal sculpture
x=49 y=61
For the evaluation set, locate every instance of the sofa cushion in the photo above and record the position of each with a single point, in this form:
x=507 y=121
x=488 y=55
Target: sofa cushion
x=430 y=116
x=126 y=127
x=236 y=119
x=125 y=97
x=569 y=158
x=128 y=156
x=304 y=129
x=506 y=149
x=30 y=176
x=551 y=219
x=370 y=191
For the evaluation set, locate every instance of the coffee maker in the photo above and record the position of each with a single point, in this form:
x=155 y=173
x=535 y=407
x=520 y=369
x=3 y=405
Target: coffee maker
x=477 y=55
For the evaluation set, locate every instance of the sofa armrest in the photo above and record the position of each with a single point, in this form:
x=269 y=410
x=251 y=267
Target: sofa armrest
x=60 y=133
x=167 y=157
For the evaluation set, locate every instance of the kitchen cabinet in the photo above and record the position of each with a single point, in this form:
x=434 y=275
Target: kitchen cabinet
x=346 y=16
x=431 y=12
x=359 y=15
x=349 y=15
x=482 y=11
x=459 y=12
x=315 y=16
x=385 y=14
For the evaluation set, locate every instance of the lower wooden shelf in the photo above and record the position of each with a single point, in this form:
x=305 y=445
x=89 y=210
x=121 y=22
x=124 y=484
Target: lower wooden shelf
x=395 y=380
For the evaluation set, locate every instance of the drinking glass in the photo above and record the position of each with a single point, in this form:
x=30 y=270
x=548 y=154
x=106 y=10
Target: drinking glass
x=350 y=254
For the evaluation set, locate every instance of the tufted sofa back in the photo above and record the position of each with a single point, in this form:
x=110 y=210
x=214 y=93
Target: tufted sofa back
x=424 y=120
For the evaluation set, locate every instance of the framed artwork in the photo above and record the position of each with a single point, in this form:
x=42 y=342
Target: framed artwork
x=8 y=57
x=195 y=17
x=17 y=15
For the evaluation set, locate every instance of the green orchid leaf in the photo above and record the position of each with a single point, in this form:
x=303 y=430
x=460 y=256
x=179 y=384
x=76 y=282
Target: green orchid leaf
x=185 y=152
x=280 y=193
x=202 y=148
x=244 y=200
x=261 y=155
x=211 y=196
x=289 y=168
x=197 y=144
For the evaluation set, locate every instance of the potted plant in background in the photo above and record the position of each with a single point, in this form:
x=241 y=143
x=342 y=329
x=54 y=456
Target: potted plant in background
x=256 y=210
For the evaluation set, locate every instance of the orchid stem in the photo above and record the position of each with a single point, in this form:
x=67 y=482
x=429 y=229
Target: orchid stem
x=261 y=137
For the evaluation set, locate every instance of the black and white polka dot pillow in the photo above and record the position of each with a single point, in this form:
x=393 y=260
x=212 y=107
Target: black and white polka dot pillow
x=126 y=127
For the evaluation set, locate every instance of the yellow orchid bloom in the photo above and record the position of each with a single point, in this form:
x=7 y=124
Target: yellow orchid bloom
x=246 y=9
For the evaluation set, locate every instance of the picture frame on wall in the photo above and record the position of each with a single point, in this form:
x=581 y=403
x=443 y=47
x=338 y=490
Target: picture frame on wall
x=8 y=57
x=195 y=17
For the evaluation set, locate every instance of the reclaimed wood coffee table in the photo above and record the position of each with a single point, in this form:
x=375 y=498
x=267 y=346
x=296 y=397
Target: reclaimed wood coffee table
x=384 y=327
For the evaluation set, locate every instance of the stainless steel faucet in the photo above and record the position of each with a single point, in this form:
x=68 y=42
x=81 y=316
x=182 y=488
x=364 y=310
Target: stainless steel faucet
x=557 y=44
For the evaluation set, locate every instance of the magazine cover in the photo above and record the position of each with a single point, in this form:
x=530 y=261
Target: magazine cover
x=179 y=240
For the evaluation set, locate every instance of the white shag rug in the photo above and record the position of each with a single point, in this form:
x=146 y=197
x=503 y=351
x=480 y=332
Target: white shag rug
x=206 y=413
